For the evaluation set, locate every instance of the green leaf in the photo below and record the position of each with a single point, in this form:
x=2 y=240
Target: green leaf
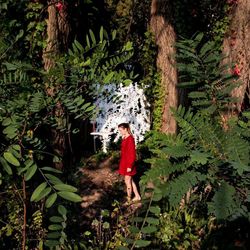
x=51 y=200
x=21 y=170
x=56 y=219
x=30 y=172
x=15 y=153
x=92 y=37
x=101 y=34
x=70 y=196
x=16 y=147
x=149 y=229
x=122 y=248
x=108 y=78
x=19 y=35
x=43 y=194
x=106 y=225
x=65 y=187
x=54 y=235
x=224 y=203
x=38 y=190
x=155 y=210
x=6 y=122
x=157 y=197
x=138 y=219
x=52 y=243
x=142 y=243
x=28 y=163
x=53 y=179
x=9 y=157
x=134 y=230
x=62 y=210
x=127 y=82
x=6 y=166
x=199 y=157
x=55 y=227
x=87 y=41
x=151 y=220
x=49 y=169
x=240 y=167
x=114 y=34
x=79 y=46
x=56 y=159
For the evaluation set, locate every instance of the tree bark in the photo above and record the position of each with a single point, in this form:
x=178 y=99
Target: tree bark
x=236 y=46
x=163 y=29
x=58 y=29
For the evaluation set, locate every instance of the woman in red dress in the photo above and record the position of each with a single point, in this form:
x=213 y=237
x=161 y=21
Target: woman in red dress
x=127 y=166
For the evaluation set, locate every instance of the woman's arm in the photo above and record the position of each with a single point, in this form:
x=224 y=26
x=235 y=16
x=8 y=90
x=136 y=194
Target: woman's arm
x=130 y=154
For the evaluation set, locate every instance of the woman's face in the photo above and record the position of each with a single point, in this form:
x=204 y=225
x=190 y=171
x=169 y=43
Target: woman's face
x=123 y=131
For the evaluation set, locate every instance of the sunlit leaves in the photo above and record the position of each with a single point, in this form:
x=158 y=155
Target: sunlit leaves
x=30 y=172
x=51 y=200
x=38 y=190
x=5 y=166
x=70 y=196
x=9 y=157
x=65 y=187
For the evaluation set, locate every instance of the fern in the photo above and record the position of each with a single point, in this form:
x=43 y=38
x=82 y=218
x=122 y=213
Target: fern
x=179 y=186
x=37 y=102
x=224 y=203
x=201 y=70
x=34 y=102
x=202 y=154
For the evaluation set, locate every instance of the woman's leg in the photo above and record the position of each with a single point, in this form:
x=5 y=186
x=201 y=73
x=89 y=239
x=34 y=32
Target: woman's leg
x=135 y=190
x=128 y=182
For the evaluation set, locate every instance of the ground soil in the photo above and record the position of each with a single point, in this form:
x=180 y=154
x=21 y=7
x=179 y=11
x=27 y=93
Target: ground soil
x=100 y=186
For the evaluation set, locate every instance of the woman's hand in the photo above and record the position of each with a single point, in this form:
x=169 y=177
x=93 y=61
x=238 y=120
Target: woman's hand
x=129 y=170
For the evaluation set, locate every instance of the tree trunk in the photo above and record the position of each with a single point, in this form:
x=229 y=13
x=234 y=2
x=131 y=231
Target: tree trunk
x=163 y=29
x=236 y=46
x=58 y=29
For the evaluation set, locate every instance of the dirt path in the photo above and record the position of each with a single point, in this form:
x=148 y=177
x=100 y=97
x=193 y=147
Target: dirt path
x=100 y=186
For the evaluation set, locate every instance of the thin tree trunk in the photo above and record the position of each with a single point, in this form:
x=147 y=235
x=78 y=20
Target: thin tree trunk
x=161 y=26
x=236 y=46
x=24 y=215
x=58 y=30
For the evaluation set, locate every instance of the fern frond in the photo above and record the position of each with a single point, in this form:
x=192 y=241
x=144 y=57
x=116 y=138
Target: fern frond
x=37 y=102
x=180 y=185
x=224 y=203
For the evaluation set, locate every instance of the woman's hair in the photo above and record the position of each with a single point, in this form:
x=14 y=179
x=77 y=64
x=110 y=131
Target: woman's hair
x=125 y=125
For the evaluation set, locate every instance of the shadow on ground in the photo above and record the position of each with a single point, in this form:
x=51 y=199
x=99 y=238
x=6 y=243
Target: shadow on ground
x=100 y=185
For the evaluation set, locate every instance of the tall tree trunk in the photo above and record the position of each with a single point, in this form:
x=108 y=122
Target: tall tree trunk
x=236 y=46
x=58 y=29
x=162 y=27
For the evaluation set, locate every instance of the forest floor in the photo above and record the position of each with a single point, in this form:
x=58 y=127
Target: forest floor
x=100 y=185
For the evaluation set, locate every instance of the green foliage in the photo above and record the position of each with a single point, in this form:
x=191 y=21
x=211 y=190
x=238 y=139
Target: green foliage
x=202 y=154
x=151 y=80
x=202 y=71
x=36 y=26
x=174 y=235
x=56 y=236
x=19 y=32
x=208 y=16
x=96 y=63
x=121 y=14
x=35 y=101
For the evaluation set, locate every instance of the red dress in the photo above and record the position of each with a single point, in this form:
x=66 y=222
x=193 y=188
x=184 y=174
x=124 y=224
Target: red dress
x=128 y=156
